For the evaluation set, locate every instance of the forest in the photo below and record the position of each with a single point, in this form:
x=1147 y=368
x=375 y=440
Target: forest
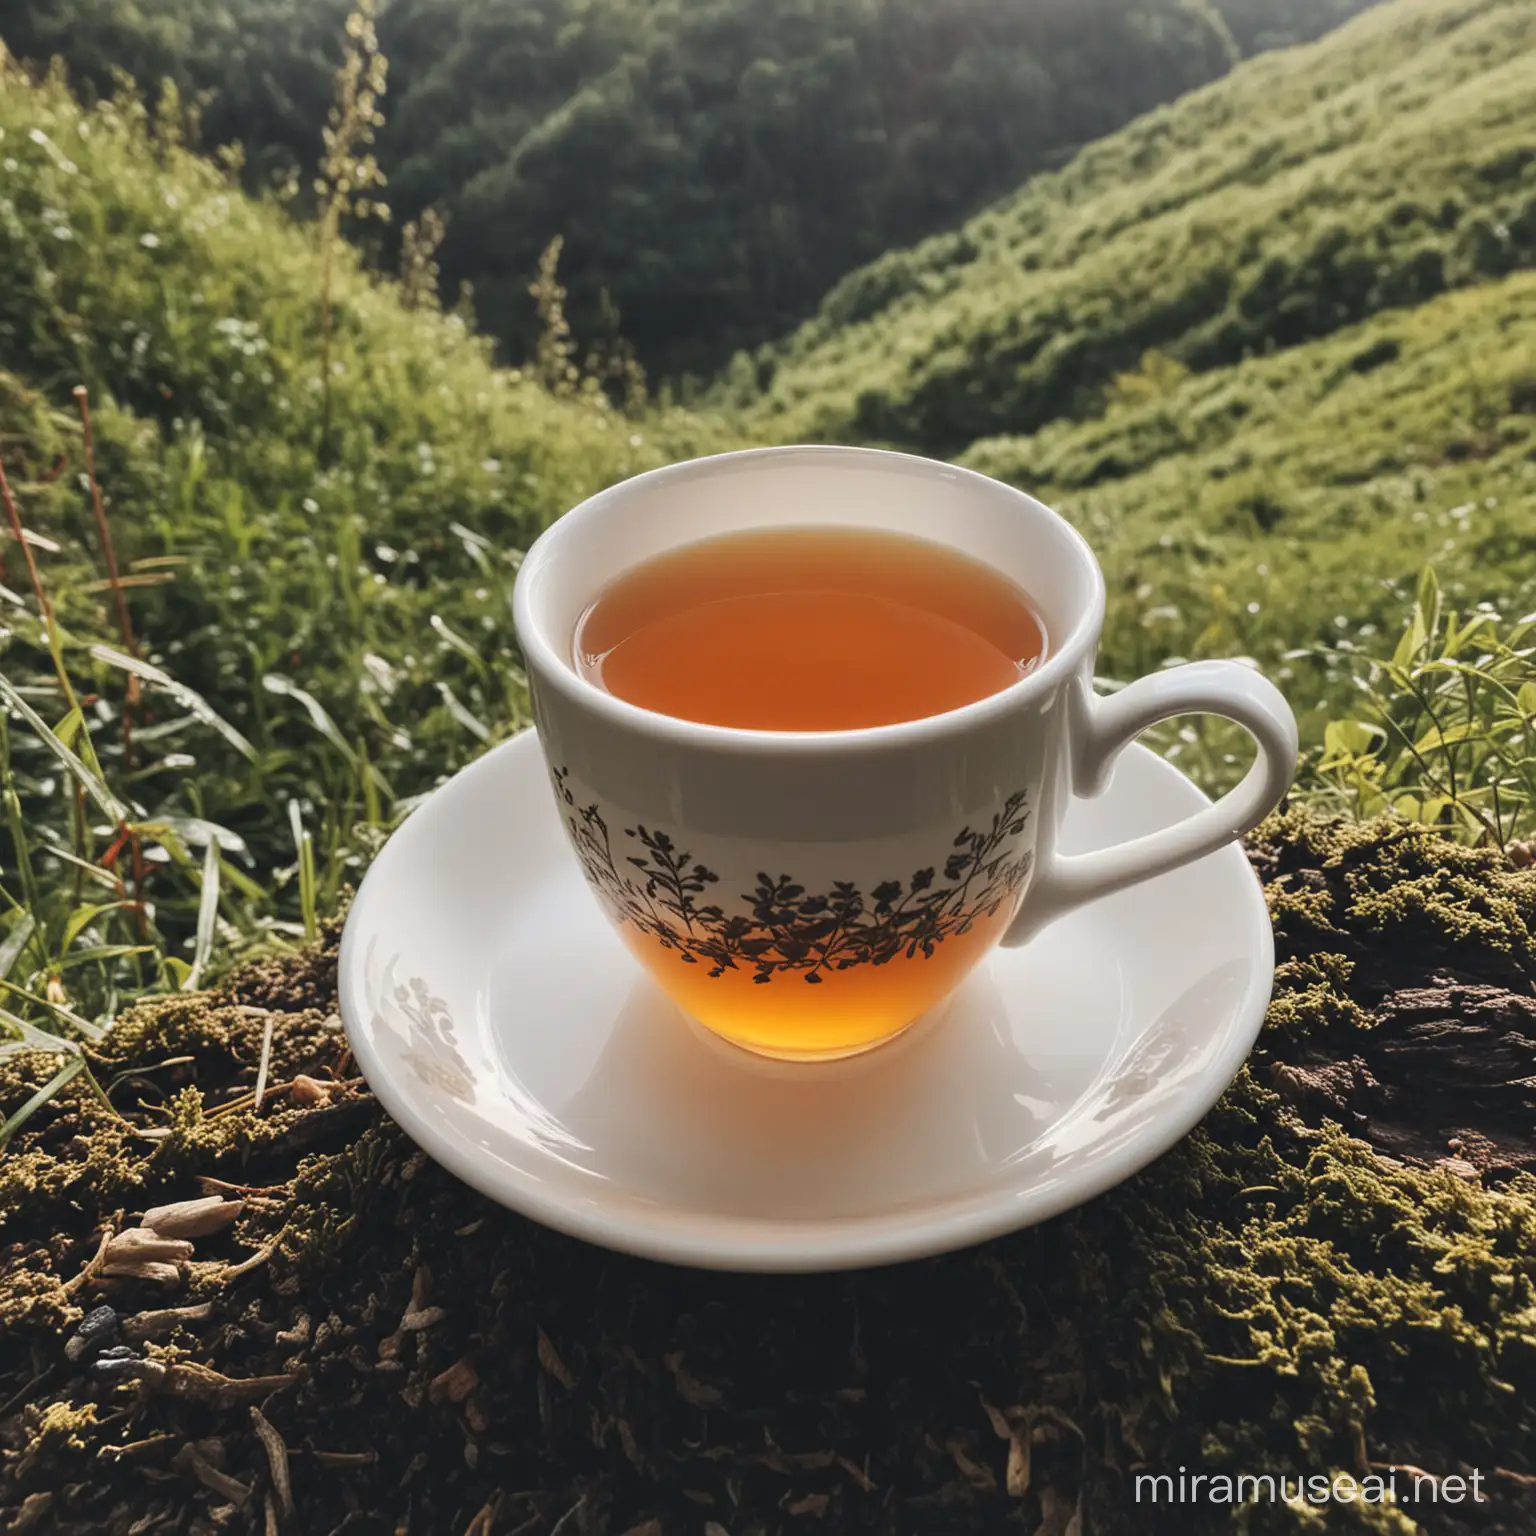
x=712 y=168
x=1247 y=291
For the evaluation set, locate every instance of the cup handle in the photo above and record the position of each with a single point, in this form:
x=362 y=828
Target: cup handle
x=1225 y=688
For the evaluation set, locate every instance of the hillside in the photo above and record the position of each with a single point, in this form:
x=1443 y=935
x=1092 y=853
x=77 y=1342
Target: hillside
x=1290 y=501
x=1308 y=190
x=714 y=166
x=330 y=566
x=318 y=504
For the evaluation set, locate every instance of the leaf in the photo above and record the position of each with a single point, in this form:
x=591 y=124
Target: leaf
x=102 y=877
x=457 y=642
x=1434 y=739
x=1526 y=699
x=1428 y=602
x=66 y=1074
x=30 y=1037
x=82 y=917
x=1350 y=738
x=207 y=915
x=316 y=711
x=195 y=831
x=85 y=1026
x=16 y=941
x=476 y=728
x=103 y=952
x=88 y=781
x=67 y=728
x=189 y=699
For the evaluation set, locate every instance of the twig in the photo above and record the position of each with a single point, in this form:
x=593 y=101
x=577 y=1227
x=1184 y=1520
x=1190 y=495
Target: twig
x=93 y=1267
x=277 y=1460
x=14 y=518
x=24 y=1391
x=104 y=532
x=481 y=1524
x=255 y=1261
x=266 y=1061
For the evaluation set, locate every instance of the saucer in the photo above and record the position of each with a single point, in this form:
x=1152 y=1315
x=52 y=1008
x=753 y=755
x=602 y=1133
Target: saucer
x=501 y=1022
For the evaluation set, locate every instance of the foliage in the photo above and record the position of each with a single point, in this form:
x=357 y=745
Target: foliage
x=350 y=181
x=341 y=596
x=346 y=609
x=713 y=166
x=1288 y=503
x=1307 y=191
x=1449 y=737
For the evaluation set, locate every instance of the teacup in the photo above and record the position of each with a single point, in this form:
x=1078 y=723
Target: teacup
x=809 y=895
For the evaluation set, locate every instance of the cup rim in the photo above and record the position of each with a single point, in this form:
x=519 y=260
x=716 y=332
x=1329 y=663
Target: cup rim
x=545 y=659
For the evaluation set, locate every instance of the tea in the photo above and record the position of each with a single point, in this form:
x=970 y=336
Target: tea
x=808 y=629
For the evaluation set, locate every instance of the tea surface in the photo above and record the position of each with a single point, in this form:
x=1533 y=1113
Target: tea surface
x=808 y=629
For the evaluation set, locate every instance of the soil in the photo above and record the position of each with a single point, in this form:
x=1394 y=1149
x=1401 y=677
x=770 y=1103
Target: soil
x=1334 y=1274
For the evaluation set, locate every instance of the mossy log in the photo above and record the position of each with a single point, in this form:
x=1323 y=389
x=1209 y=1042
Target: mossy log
x=1335 y=1274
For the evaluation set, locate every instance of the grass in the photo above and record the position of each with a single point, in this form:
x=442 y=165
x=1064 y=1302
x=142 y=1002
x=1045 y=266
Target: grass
x=1307 y=190
x=255 y=587
x=1288 y=503
x=265 y=636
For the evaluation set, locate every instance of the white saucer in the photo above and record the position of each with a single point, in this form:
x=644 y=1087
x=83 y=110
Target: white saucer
x=503 y=1025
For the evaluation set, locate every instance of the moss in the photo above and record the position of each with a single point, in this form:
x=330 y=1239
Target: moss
x=1272 y=1296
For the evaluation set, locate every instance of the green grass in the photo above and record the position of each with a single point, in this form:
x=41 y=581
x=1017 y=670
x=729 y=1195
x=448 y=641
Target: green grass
x=1289 y=502
x=322 y=623
x=318 y=626
x=1307 y=190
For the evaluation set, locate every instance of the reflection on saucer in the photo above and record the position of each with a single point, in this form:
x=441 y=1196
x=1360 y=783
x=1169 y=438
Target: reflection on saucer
x=418 y=1028
x=936 y=1109
x=1175 y=1044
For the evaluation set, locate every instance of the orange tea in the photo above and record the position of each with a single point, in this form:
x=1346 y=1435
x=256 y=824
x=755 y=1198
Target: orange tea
x=808 y=629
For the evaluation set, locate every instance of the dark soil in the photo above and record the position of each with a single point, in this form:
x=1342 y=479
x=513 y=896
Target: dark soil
x=1335 y=1274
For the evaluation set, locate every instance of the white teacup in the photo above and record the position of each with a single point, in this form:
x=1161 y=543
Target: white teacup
x=811 y=894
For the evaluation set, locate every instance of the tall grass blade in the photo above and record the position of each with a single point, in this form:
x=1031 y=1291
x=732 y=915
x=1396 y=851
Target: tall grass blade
x=65 y=1075
x=316 y=711
x=30 y=1037
x=90 y=782
x=207 y=915
x=189 y=699
x=16 y=941
x=304 y=844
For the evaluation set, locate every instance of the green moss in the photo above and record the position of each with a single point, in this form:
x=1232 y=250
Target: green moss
x=1272 y=1296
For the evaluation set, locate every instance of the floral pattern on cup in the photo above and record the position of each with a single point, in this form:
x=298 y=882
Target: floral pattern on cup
x=788 y=930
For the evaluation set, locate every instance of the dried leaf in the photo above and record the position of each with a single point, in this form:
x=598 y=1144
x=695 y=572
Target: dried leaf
x=973 y=1472
x=192 y=1218
x=812 y=1504
x=139 y=1244
x=428 y=1317
x=306 y=1091
x=699 y=1393
x=192 y=1460
x=143 y=1269
x=277 y=1461
x=156 y=1325
x=549 y=1358
x=454 y=1384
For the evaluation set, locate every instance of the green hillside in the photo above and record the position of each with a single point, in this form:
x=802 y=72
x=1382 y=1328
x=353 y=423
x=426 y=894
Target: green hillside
x=1309 y=189
x=329 y=565
x=1290 y=501
x=317 y=503
x=714 y=164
